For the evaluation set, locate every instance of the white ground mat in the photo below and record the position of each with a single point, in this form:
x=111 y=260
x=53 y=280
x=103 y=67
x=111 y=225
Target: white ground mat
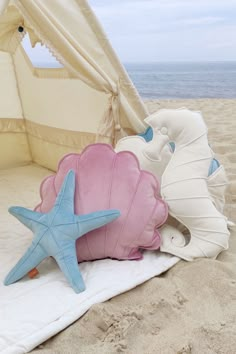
x=32 y=311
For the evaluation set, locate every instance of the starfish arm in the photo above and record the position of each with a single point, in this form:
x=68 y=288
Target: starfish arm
x=95 y=220
x=32 y=257
x=28 y=217
x=65 y=198
x=67 y=261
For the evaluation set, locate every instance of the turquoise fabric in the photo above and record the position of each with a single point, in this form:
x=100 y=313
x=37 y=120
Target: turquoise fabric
x=172 y=146
x=213 y=166
x=148 y=135
x=55 y=234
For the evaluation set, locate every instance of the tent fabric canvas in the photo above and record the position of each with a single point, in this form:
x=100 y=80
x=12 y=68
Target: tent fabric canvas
x=44 y=114
x=91 y=98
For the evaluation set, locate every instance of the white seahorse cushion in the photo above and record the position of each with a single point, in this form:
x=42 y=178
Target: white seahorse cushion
x=217 y=180
x=185 y=183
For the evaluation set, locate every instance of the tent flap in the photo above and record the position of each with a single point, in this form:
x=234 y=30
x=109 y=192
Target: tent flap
x=93 y=94
x=67 y=32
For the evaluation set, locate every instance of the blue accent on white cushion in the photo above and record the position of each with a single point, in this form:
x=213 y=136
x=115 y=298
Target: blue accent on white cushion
x=147 y=135
x=213 y=166
x=172 y=146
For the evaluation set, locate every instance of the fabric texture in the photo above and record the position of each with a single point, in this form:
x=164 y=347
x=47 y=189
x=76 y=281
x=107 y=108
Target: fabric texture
x=184 y=184
x=216 y=179
x=147 y=135
x=14 y=149
x=213 y=166
x=104 y=180
x=55 y=234
x=137 y=145
x=217 y=183
x=10 y=101
x=48 y=144
x=3 y=6
x=13 y=137
x=10 y=35
x=91 y=73
x=33 y=310
x=89 y=57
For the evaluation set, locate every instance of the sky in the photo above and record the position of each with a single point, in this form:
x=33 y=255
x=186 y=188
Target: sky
x=169 y=30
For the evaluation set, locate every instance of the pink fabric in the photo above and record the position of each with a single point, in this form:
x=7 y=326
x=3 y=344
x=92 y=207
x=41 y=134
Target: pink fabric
x=109 y=180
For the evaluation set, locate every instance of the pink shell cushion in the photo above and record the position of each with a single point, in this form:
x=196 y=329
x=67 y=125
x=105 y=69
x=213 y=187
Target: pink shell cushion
x=109 y=180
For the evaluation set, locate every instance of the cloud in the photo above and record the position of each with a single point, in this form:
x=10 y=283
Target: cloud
x=152 y=30
x=208 y=20
x=166 y=30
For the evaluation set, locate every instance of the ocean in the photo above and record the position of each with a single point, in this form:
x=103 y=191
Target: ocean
x=184 y=79
x=172 y=80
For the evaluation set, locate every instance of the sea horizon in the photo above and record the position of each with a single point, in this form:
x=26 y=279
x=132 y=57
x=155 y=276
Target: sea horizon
x=184 y=79
x=179 y=79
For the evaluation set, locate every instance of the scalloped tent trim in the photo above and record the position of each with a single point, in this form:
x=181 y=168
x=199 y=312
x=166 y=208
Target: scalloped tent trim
x=95 y=97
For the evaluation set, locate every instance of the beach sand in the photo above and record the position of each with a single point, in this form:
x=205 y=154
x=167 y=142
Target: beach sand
x=189 y=309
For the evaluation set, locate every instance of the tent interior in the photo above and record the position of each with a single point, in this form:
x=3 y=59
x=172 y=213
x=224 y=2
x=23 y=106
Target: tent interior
x=48 y=112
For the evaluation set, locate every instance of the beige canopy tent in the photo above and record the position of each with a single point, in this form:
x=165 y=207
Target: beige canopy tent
x=45 y=113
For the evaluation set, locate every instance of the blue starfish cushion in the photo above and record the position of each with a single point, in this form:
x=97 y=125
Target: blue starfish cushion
x=55 y=234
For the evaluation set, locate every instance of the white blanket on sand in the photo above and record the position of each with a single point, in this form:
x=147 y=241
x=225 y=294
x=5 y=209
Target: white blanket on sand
x=32 y=311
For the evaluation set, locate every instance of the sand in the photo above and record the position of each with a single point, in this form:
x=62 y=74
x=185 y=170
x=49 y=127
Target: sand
x=189 y=309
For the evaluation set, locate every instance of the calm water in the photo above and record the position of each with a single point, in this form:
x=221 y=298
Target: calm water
x=181 y=80
x=184 y=80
